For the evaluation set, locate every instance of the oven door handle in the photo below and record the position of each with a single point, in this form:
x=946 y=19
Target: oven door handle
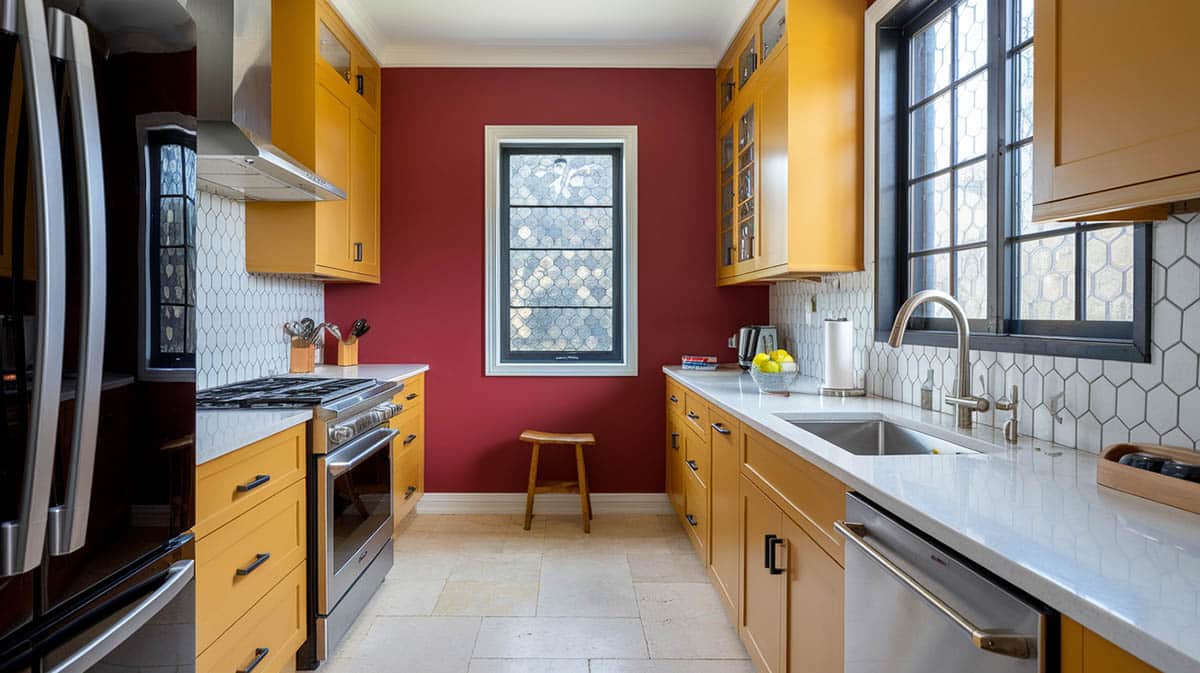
x=349 y=456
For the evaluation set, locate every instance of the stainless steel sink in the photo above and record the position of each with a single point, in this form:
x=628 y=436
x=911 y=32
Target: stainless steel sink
x=879 y=438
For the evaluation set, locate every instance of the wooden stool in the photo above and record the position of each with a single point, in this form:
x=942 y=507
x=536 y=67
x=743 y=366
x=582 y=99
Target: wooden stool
x=585 y=499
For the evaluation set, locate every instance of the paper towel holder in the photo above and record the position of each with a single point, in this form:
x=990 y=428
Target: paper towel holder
x=834 y=391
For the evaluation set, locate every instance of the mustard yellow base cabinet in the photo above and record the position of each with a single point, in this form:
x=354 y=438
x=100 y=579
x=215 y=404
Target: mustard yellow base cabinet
x=675 y=465
x=325 y=113
x=1085 y=652
x=724 y=528
x=1121 y=58
x=789 y=143
x=251 y=543
x=764 y=591
x=408 y=451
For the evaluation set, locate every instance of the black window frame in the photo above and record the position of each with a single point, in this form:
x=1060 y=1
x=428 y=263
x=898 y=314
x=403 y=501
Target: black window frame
x=504 y=300
x=156 y=358
x=1002 y=330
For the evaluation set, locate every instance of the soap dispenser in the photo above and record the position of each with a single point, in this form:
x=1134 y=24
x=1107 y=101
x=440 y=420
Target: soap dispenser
x=927 y=392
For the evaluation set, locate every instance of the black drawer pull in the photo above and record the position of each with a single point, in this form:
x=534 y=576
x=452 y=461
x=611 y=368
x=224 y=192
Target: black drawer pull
x=675 y=440
x=692 y=464
x=411 y=396
x=774 y=545
x=719 y=427
x=259 y=654
x=692 y=520
x=675 y=399
x=693 y=415
x=259 y=559
x=408 y=492
x=258 y=480
x=767 y=545
x=409 y=439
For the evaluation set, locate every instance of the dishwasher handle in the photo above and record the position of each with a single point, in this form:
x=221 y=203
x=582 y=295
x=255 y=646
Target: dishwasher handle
x=998 y=642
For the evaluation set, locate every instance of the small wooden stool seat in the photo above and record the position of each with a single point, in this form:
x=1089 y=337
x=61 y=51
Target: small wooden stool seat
x=579 y=440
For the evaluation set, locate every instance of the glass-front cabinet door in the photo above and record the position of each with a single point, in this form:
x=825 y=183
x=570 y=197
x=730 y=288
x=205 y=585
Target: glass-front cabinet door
x=726 y=240
x=773 y=29
x=333 y=51
x=747 y=223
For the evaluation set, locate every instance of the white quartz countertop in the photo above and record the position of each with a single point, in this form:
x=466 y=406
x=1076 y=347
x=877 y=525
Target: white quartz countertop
x=1125 y=567
x=222 y=431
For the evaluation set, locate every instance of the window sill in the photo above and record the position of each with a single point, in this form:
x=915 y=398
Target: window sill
x=561 y=369
x=1092 y=349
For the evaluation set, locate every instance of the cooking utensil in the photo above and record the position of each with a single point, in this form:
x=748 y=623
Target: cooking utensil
x=333 y=329
x=360 y=327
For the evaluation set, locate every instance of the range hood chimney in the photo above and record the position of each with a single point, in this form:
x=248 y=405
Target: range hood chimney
x=234 y=154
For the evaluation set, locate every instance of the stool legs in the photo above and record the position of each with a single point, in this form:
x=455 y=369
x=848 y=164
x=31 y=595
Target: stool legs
x=533 y=468
x=585 y=498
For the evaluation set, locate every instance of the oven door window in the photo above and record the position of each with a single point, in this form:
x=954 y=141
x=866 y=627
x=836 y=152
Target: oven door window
x=362 y=503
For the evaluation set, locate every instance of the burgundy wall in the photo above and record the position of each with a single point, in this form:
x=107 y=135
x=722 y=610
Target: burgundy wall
x=429 y=306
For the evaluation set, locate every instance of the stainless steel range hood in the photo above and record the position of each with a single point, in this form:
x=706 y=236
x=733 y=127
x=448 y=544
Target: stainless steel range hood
x=234 y=155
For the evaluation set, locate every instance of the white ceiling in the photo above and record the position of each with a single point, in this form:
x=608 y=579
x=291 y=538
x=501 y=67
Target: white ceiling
x=578 y=33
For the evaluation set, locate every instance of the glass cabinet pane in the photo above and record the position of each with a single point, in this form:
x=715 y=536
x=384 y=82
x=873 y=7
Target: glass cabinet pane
x=773 y=27
x=334 y=52
x=746 y=187
x=747 y=64
x=727 y=156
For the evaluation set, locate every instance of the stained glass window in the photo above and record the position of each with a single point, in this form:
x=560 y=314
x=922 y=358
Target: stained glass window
x=963 y=216
x=561 y=212
x=171 y=250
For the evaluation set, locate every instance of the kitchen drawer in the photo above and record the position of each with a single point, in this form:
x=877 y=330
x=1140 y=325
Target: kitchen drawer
x=414 y=391
x=232 y=484
x=697 y=457
x=228 y=581
x=806 y=493
x=275 y=624
x=695 y=412
x=675 y=397
x=695 y=506
x=408 y=459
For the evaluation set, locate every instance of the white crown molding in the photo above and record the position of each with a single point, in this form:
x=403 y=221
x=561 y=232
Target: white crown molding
x=546 y=503
x=728 y=29
x=544 y=56
x=363 y=26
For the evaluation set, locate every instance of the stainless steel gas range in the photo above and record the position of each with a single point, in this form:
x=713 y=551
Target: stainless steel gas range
x=349 y=491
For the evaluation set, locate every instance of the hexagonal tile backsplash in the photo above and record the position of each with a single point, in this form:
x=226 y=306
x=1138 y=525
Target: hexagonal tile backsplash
x=239 y=332
x=1099 y=402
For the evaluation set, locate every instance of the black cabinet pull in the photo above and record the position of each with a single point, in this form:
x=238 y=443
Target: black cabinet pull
x=774 y=542
x=675 y=440
x=411 y=396
x=691 y=519
x=358 y=251
x=259 y=559
x=675 y=399
x=259 y=654
x=693 y=415
x=408 y=492
x=721 y=428
x=692 y=464
x=409 y=439
x=767 y=550
x=359 y=84
x=258 y=480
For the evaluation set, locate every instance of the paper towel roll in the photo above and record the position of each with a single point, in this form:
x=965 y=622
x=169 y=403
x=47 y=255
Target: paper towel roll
x=839 y=353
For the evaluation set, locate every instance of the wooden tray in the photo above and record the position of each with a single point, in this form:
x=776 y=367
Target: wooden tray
x=1150 y=485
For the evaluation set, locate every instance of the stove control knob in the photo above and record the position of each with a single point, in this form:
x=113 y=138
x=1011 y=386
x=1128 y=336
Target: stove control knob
x=341 y=433
x=387 y=410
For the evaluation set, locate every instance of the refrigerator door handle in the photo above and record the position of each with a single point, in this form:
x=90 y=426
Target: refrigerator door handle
x=177 y=577
x=22 y=541
x=69 y=42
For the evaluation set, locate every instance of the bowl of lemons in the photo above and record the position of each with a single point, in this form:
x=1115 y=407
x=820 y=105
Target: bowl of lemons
x=774 y=372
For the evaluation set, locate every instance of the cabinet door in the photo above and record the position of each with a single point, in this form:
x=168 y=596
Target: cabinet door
x=675 y=432
x=364 y=192
x=815 y=605
x=1112 y=127
x=1083 y=651
x=335 y=119
x=724 y=531
x=773 y=155
x=746 y=191
x=762 y=625
x=726 y=203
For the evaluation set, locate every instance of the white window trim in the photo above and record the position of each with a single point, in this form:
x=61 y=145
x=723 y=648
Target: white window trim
x=494 y=137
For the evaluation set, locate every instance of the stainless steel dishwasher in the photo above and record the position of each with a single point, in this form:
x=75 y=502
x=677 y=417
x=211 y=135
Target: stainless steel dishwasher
x=913 y=606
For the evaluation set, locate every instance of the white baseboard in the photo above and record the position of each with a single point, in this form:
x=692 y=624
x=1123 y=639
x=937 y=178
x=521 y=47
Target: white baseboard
x=546 y=503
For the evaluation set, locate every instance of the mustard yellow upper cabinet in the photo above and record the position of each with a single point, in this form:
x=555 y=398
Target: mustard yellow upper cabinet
x=1113 y=130
x=325 y=113
x=797 y=87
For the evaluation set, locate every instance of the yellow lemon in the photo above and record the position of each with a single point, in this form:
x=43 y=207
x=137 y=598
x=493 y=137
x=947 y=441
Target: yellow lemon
x=770 y=367
x=761 y=358
x=780 y=356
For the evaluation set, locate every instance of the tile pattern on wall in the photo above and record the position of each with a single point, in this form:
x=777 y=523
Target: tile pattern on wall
x=240 y=315
x=1086 y=404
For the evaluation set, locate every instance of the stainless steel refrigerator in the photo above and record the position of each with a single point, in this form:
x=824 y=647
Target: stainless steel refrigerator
x=97 y=334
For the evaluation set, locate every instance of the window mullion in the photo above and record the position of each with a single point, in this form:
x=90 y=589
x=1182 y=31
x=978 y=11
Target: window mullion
x=997 y=170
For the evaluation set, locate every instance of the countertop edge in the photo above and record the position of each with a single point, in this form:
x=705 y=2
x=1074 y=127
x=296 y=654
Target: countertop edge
x=1128 y=636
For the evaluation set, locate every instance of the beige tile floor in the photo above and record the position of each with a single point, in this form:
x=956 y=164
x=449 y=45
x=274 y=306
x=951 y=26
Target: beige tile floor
x=477 y=594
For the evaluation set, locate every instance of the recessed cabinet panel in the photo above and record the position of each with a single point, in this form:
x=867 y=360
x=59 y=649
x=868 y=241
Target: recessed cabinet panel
x=816 y=600
x=334 y=119
x=762 y=625
x=364 y=207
